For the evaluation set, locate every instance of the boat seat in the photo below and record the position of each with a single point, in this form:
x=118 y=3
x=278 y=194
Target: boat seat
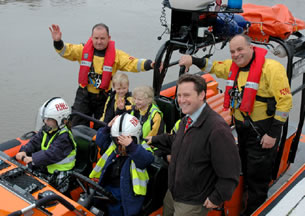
x=86 y=148
x=157 y=186
x=169 y=109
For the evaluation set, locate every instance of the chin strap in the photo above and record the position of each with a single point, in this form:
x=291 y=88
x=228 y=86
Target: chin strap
x=48 y=129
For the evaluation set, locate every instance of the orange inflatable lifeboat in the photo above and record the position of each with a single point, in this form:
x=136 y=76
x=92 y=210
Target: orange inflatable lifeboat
x=276 y=21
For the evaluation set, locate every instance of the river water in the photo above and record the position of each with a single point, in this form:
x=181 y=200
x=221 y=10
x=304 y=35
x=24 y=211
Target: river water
x=32 y=72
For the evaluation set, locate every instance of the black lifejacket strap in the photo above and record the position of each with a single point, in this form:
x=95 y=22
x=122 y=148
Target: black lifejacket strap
x=249 y=122
x=271 y=104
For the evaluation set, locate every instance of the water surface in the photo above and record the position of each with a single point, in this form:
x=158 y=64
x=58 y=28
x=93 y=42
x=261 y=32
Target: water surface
x=32 y=72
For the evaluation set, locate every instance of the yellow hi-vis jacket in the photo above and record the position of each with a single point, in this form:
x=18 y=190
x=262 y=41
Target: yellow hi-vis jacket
x=139 y=176
x=123 y=61
x=176 y=127
x=67 y=163
x=273 y=83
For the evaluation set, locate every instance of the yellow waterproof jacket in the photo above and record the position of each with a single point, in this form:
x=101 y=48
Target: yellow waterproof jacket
x=123 y=61
x=273 y=83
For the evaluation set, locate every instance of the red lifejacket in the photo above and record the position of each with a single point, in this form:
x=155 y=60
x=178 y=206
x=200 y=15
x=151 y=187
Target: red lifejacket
x=86 y=62
x=252 y=83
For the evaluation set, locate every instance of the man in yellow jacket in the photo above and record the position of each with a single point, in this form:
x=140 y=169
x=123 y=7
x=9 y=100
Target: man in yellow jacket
x=258 y=93
x=99 y=60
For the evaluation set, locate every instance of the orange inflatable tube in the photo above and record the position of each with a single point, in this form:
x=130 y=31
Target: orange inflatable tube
x=276 y=21
x=212 y=87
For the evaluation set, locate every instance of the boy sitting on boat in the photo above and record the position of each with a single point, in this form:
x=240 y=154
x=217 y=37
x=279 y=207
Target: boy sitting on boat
x=53 y=148
x=118 y=99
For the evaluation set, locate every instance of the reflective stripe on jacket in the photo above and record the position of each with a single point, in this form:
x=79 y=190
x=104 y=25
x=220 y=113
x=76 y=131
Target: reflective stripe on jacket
x=67 y=163
x=139 y=176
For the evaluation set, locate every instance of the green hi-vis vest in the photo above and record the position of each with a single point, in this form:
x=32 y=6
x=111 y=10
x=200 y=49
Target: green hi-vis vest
x=139 y=176
x=176 y=127
x=68 y=162
x=146 y=127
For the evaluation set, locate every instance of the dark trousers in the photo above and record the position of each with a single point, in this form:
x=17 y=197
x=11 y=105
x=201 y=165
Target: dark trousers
x=257 y=163
x=89 y=104
x=115 y=209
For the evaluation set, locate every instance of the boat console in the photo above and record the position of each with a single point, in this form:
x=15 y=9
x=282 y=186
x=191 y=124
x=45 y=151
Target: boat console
x=24 y=191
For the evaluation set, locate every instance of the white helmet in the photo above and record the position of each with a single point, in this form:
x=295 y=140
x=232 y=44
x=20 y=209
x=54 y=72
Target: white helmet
x=127 y=125
x=55 y=108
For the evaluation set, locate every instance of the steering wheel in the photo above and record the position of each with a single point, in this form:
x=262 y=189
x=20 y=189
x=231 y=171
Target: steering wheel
x=90 y=188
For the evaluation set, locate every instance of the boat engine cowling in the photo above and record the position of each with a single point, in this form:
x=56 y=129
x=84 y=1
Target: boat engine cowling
x=192 y=5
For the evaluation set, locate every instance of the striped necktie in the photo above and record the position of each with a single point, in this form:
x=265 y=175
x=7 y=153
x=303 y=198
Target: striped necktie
x=188 y=123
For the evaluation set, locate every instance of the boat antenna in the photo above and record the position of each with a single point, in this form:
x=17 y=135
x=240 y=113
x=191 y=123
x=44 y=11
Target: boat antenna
x=163 y=22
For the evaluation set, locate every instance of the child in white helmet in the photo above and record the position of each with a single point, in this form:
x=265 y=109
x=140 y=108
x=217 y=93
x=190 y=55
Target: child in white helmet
x=122 y=167
x=53 y=147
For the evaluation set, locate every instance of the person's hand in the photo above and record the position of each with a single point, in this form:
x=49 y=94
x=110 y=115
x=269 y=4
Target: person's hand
x=168 y=158
x=112 y=121
x=124 y=140
x=120 y=103
x=186 y=60
x=27 y=160
x=55 y=32
x=208 y=204
x=267 y=141
x=161 y=67
x=149 y=139
x=20 y=155
x=152 y=65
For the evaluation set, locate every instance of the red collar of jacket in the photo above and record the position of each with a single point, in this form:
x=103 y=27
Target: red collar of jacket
x=252 y=83
x=86 y=62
